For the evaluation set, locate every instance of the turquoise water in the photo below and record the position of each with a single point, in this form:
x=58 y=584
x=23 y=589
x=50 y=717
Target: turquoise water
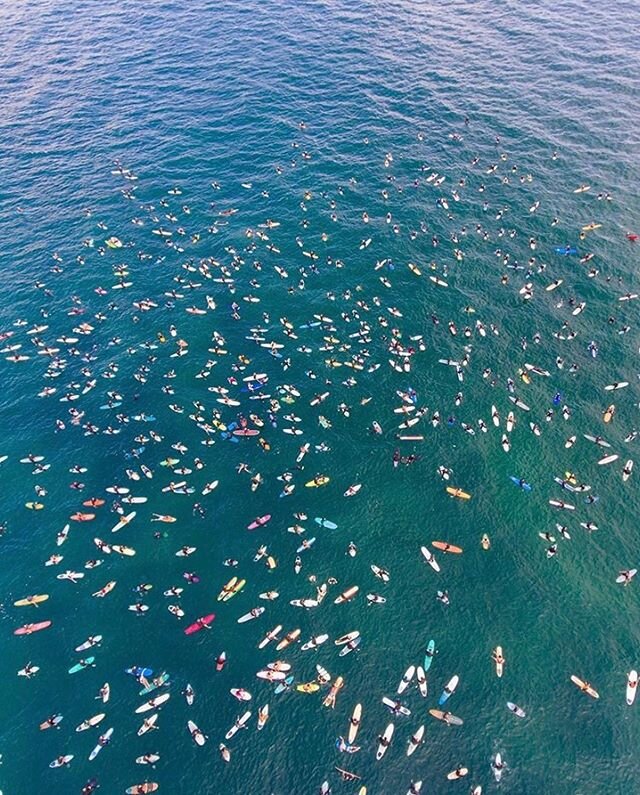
x=185 y=95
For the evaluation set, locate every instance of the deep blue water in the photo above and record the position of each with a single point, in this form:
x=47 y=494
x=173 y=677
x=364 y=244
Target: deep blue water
x=186 y=95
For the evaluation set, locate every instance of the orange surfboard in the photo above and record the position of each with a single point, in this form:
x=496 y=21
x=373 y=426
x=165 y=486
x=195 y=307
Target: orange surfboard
x=446 y=547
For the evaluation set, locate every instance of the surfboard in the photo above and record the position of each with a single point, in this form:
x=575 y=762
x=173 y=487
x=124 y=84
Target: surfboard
x=251 y=615
x=346 y=595
x=64 y=760
x=147 y=759
x=228 y=588
x=429 y=655
x=326 y=523
x=52 y=723
x=197 y=736
x=271 y=676
x=153 y=703
x=121 y=549
x=260 y=521
x=106 y=589
x=446 y=547
x=632 y=686
x=406 y=679
x=456 y=492
x=308 y=687
x=35 y=600
x=380 y=573
x=519 y=482
x=449 y=690
x=322 y=480
x=415 y=740
x=289 y=638
x=447 y=717
x=271 y=635
x=159 y=681
x=349 y=636
x=422 y=681
x=29 y=629
x=459 y=772
x=518 y=711
x=430 y=558
x=80 y=666
x=239 y=724
x=104 y=739
x=395 y=706
x=143 y=789
x=124 y=521
x=385 y=741
x=584 y=686
x=201 y=623
x=354 y=723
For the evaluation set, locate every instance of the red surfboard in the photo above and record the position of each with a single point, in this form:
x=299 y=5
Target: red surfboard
x=201 y=623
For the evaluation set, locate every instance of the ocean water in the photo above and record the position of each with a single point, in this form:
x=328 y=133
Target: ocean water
x=188 y=94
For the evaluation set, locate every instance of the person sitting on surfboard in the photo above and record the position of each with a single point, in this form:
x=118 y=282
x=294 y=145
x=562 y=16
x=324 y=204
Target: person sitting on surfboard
x=396 y=708
x=498 y=658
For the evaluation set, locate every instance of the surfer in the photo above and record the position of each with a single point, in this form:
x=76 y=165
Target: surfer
x=498 y=658
x=148 y=724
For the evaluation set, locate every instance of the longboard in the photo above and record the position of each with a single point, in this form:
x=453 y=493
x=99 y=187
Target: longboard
x=584 y=686
x=446 y=547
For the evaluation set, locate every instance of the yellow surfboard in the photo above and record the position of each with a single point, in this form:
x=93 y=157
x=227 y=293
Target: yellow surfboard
x=317 y=482
x=455 y=492
x=32 y=600
x=308 y=687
